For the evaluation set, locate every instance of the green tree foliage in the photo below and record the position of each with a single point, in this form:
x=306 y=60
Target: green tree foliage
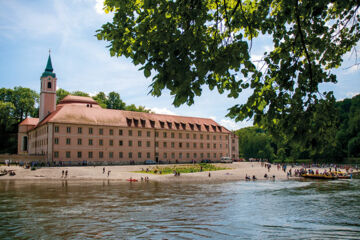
x=114 y=101
x=189 y=44
x=255 y=143
x=15 y=105
x=60 y=94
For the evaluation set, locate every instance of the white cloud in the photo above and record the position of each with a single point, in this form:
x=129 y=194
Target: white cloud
x=213 y=118
x=99 y=7
x=162 y=111
x=351 y=94
x=232 y=125
x=352 y=69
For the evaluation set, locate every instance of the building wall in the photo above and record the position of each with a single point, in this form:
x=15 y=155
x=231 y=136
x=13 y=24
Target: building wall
x=71 y=143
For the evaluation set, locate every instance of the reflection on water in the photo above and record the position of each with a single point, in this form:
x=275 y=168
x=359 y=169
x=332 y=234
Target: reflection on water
x=234 y=210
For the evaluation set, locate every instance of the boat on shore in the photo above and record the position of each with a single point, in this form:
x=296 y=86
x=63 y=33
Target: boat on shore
x=319 y=176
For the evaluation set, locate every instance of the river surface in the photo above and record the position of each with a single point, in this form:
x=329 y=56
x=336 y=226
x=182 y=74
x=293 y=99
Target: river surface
x=230 y=210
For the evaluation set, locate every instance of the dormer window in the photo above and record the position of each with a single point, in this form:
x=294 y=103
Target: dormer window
x=162 y=124
x=191 y=126
x=49 y=84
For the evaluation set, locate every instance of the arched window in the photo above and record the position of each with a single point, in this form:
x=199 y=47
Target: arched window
x=49 y=84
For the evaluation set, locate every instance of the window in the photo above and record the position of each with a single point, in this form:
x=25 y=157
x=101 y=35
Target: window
x=101 y=154
x=67 y=154
x=111 y=132
x=111 y=142
x=111 y=154
x=79 y=130
x=194 y=136
x=130 y=143
x=49 y=84
x=79 y=141
x=187 y=155
x=233 y=148
x=220 y=145
x=202 y=155
x=156 y=134
x=139 y=133
x=139 y=143
x=148 y=133
x=68 y=129
x=101 y=142
x=101 y=131
x=148 y=144
x=90 y=154
x=120 y=154
x=201 y=145
x=79 y=154
x=120 y=132
x=90 y=131
x=180 y=155
x=68 y=141
x=208 y=145
x=56 y=154
x=214 y=145
x=56 y=141
x=194 y=145
x=220 y=137
x=148 y=155
x=233 y=141
x=165 y=134
x=120 y=142
x=214 y=137
x=165 y=144
x=214 y=155
x=195 y=155
x=130 y=154
x=180 y=145
x=56 y=129
x=172 y=135
x=172 y=144
x=201 y=136
x=172 y=155
x=90 y=142
x=208 y=155
x=208 y=137
x=180 y=135
x=130 y=132
x=187 y=145
x=156 y=144
x=139 y=154
x=165 y=155
x=187 y=135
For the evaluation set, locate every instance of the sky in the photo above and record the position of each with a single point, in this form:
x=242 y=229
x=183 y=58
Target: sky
x=28 y=29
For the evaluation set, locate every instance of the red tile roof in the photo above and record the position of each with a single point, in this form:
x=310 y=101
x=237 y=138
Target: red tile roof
x=29 y=121
x=81 y=114
x=77 y=99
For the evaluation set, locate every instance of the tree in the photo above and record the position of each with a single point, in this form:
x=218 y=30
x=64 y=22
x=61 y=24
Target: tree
x=60 y=94
x=189 y=44
x=101 y=99
x=114 y=101
x=80 y=93
x=133 y=108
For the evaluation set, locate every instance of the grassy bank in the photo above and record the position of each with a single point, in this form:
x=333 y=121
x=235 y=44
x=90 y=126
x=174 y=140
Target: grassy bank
x=191 y=168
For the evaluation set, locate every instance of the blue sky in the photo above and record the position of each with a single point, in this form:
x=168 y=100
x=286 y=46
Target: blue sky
x=28 y=29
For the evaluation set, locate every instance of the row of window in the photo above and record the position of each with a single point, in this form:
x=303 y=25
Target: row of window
x=139 y=133
x=139 y=143
x=139 y=155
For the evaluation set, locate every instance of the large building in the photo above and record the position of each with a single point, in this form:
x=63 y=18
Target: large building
x=78 y=130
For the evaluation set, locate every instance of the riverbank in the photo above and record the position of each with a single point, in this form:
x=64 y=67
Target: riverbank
x=234 y=172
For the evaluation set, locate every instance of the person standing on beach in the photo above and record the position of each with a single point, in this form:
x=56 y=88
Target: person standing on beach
x=209 y=174
x=62 y=174
x=103 y=170
x=66 y=173
x=109 y=173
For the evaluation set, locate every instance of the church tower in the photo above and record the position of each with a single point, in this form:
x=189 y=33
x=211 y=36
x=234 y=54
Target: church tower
x=47 y=91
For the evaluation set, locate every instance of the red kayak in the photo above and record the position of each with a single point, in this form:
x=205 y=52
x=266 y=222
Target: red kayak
x=132 y=180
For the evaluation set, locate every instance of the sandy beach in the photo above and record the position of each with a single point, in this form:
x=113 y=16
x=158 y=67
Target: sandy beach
x=236 y=171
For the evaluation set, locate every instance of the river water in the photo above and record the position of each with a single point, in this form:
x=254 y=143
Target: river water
x=230 y=210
